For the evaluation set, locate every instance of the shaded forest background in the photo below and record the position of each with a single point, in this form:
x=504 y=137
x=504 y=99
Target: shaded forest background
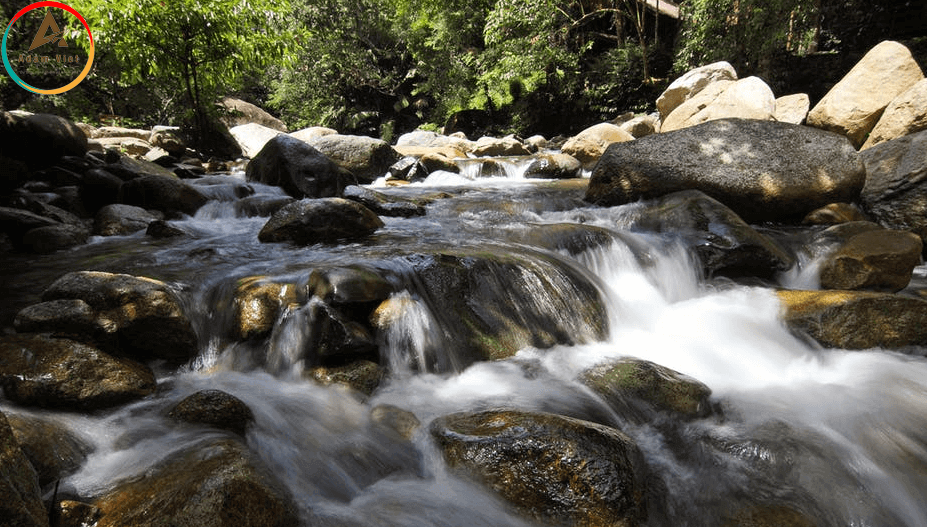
x=385 y=67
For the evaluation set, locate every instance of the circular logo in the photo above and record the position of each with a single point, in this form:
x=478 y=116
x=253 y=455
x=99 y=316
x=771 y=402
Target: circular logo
x=48 y=33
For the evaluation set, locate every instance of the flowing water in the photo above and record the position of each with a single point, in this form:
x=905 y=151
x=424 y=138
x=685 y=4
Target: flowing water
x=840 y=436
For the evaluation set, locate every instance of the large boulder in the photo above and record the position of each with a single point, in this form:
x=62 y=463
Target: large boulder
x=239 y=112
x=721 y=240
x=792 y=108
x=748 y=98
x=299 y=169
x=54 y=451
x=763 y=170
x=553 y=468
x=906 y=114
x=324 y=220
x=164 y=193
x=881 y=260
x=312 y=133
x=40 y=140
x=217 y=483
x=494 y=146
x=895 y=194
x=252 y=137
x=46 y=240
x=691 y=83
x=214 y=408
x=63 y=374
x=854 y=105
x=589 y=145
x=21 y=505
x=857 y=319
x=120 y=220
x=365 y=157
x=137 y=316
x=554 y=166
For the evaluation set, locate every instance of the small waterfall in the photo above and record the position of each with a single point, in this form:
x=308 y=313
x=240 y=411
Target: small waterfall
x=411 y=337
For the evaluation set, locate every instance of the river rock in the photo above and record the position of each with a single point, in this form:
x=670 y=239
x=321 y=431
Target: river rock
x=895 y=194
x=856 y=319
x=383 y=204
x=352 y=285
x=21 y=505
x=571 y=238
x=748 y=98
x=854 y=105
x=15 y=223
x=258 y=303
x=363 y=375
x=554 y=166
x=64 y=374
x=494 y=146
x=634 y=388
x=70 y=317
x=142 y=315
x=881 y=260
x=642 y=125
x=252 y=137
x=691 y=83
x=127 y=145
x=214 y=408
x=167 y=138
x=833 y=214
x=589 y=145
x=161 y=229
x=365 y=157
x=71 y=513
x=46 y=240
x=40 y=140
x=301 y=170
x=554 y=468
x=54 y=451
x=261 y=205
x=216 y=483
x=792 y=108
x=99 y=188
x=120 y=132
x=167 y=194
x=906 y=114
x=120 y=220
x=127 y=168
x=312 y=133
x=393 y=419
x=763 y=170
x=407 y=169
x=242 y=112
x=324 y=220
x=722 y=241
x=335 y=337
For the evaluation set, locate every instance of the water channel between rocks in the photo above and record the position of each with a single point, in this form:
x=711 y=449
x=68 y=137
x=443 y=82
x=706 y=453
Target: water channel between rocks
x=837 y=435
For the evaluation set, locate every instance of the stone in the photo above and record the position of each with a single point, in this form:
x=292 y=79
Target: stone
x=748 y=98
x=434 y=161
x=641 y=125
x=763 y=170
x=365 y=157
x=21 y=505
x=120 y=132
x=239 y=112
x=68 y=317
x=554 y=166
x=299 y=169
x=363 y=376
x=99 y=188
x=396 y=420
x=167 y=194
x=46 y=240
x=691 y=83
x=833 y=214
x=71 y=513
x=723 y=243
x=308 y=135
x=127 y=168
x=792 y=108
x=589 y=145
x=323 y=220
x=167 y=138
x=214 y=408
x=681 y=117
x=880 y=260
x=54 y=451
x=570 y=238
x=261 y=205
x=144 y=316
x=258 y=303
x=635 y=388
x=41 y=139
x=494 y=146
x=895 y=194
x=131 y=146
x=216 y=483
x=856 y=103
x=334 y=337
x=15 y=223
x=383 y=204
x=161 y=229
x=556 y=469
x=906 y=114
x=349 y=285
x=856 y=319
x=63 y=374
x=121 y=220
x=252 y=137
x=418 y=138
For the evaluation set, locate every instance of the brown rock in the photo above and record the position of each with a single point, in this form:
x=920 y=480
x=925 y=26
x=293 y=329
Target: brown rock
x=881 y=260
x=906 y=114
x=589 y=145
x=214 y=408
x=21 y=505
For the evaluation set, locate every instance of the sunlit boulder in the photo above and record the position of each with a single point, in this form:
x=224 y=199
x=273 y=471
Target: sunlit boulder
x=906 y=114
x=691 y=83
x=589 y=145
x=324 y=220
x=299 y=169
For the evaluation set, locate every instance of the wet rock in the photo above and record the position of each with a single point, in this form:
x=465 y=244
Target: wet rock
x=589 y=145
x=688 y=85
x=556 y=469
x=258 y=304
x=15 y=223
x=383 y=204
x=143 y=315
x=334 y=337
x=895 y=194
x=906 y=114
x=554 y=166
x=349 y=285
x=53 y=450
x=46 y=240
x=99 y=188
x=72 y=513
x=364 y=376
x=833 y=214
x=325 y=220
x=634 y=388
x=792 y=108
x=404 y=167
x=21 y=505
x=365 y=157
x=722 y=241
x=854 y=105
x=763 y=170
x=214 y=408
x=572 y=238
x=395 y=420
x=261 y=205
x=299 y=169
x=120 y=220
x=213 y=484
x=167 y=194
x=240 y=112
x=63 y=374
x=163 y=229
x=494 y=146
x=748 y=98
x=61 y=317
x=881 y=260
x=856 y=319
x=252 y=137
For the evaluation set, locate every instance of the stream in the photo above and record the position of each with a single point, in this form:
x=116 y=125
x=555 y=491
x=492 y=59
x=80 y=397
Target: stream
x=840 y=436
